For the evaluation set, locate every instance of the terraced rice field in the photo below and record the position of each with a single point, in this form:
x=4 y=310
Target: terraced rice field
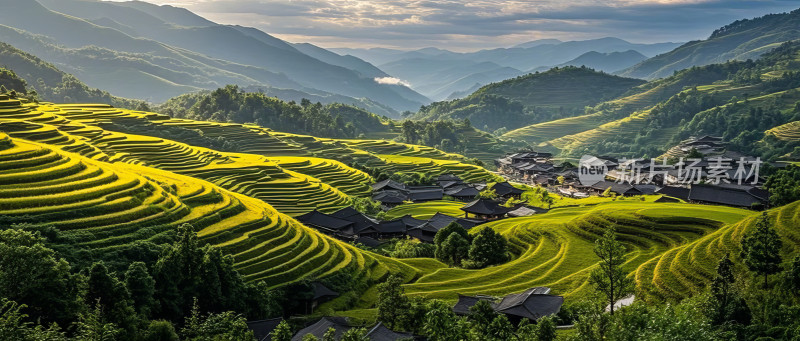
x=546 y=131
x=786 y=132
x=101 y=206
x=555 y=249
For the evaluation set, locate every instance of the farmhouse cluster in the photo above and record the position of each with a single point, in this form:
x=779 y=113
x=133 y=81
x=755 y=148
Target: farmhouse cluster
x=349 y=224
x=709 y=175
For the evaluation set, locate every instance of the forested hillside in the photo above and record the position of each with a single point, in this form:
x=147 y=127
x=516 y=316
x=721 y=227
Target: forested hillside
x=744 y=102
x=536 y=97
x=52 y=84
x=740 y=40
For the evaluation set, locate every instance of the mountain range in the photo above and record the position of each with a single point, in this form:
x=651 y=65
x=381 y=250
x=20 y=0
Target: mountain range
x=165 y=51
x=457 y=73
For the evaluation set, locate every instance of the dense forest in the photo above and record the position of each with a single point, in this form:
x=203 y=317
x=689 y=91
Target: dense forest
x=231 y=104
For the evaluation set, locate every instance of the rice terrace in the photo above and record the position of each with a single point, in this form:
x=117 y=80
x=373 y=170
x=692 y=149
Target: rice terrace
x=168 y=176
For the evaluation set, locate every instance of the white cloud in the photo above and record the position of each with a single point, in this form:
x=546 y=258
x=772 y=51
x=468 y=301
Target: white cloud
x=391 y=81
x=479 y=24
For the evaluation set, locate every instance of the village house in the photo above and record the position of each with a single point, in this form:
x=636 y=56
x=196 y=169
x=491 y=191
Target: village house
x=532 y=304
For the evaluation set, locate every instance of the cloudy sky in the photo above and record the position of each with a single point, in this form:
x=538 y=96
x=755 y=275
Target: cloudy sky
x=470 y=25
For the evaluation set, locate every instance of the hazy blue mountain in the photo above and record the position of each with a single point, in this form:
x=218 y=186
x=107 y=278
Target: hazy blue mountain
x=441 y=74
x=353 y=63
x=741 y=40
x=538 y=42
x=606 y=62
x=144 y=28
x=438 y=79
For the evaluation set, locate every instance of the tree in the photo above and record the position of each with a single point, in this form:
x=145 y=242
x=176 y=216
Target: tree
x=160 y=330
x=608 y=278
x=481 y=314
x=761 y=248
x=392 y=303
x=500 y=329
x=141 y=287
x=92 y=327
x=488 y=193
x=223 y=326
x=443 y=234
x=547 y=199
x=111 y=296
x=330 y=334
x=310 y=337
x=31 y=274
x=488 y=247
x=441 y=324
x=561 y=179
x=545 y=329
x=282 y=332
x=726 y=305
x=793 y=277
x=354 y=334
x=186 y=271
x=455 y=249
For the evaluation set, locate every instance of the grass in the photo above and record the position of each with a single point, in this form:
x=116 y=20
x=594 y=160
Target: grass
x=426 y=210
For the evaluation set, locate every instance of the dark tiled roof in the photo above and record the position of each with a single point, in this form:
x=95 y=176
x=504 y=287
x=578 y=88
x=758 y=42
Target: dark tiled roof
x=462 y=191
x=388 y=184
x=369 y=241
x=321 y=291
x=394 y=226
x=263 y=328
x=523 y=211
x=411 y=221
x=534 y=303
x=419 y=234
x=466 y=302
x=729 y=196
x=622 y=189
x=425 y=194
x=345 y=212
x=390 y=197
x=323 y=221
x=380 y=333
x=449 y=184
x=448 y=177
x=319 y=328
x=675 y=192
x=485 y=207
x=505 y=188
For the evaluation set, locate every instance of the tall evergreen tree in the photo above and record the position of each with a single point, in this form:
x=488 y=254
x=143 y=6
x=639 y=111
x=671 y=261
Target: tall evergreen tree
x=761 y=248
x=141 y=287
x=609 y=278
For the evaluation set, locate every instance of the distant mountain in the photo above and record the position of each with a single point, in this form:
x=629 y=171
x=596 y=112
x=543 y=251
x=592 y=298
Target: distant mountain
x=606 y=62
x=537 y=55
x=741 y=40
x=50 y=83
x=535 y=43
x=194 y=52
x=349 y=62
x=536 y=97
x=437 y=79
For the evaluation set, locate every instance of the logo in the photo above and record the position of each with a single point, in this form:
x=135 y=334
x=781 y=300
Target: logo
x=591 y=170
